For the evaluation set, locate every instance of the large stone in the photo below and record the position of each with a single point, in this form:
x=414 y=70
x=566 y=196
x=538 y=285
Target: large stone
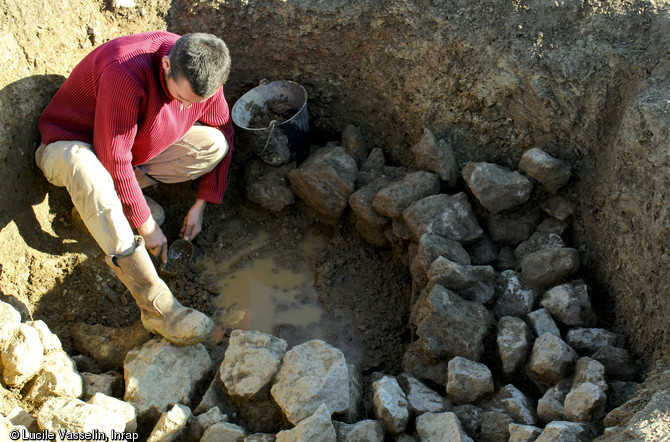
x=76 y=416
x=251 y=362
x=450 y=216
x=495 y=426
x=390 y=404
x=315 y=428
x=537 y=242
x=393 y=199
x=23 y=357
x=197 y=425
x=620 y=392
x=10 y=319
x=354 y=143
x=420 y=398
x=570 y=303
x=618 y=363
x=365 y=430
x=223 y=432
x=514 y=296
x=58 y=377
x=585 y=403
x=513 y=228
x=550 y=406
x=171 y=424
x=436 y=156
x=355 y=410
x=430 y=248
x=470 y=417
x=551 y=172
x=325 y=180
x=566 y=432
x=541 y=322
x=559 y=208
x=497 y=188
x=482 y=251
x=440 y=427
x=448 y=325
x=108 y=346
x=160 y=374
x=513 y=342
x=590 y=370
x=49 y=340
x=549 y=267
x=423 y=366
x=115 y=405
x=551 y=359
x=590 y=340
x=474 y=283
x=311 y=374
x=267 y=185
x=512 y=402
x=468 y=381
x=369 y=223
x=523 y=433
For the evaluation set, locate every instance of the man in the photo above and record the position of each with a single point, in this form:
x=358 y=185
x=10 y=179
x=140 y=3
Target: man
x=137 y=110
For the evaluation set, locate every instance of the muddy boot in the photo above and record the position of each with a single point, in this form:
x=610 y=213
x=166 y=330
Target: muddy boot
x=157 y=213
x=161 y=312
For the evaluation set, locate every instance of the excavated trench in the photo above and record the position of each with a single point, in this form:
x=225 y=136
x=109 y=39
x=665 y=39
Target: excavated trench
x=586 y=82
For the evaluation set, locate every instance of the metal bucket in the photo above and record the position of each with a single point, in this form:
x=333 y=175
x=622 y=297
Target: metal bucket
x=280 y=142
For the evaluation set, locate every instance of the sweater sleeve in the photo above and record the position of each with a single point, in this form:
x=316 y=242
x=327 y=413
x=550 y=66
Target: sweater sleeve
x=119 y=96
x=213 y=183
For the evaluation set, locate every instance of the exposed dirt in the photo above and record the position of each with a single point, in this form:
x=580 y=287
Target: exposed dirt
x=272 y=110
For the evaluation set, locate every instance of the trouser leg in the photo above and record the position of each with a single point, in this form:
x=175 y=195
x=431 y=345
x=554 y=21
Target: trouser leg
x=73 y=165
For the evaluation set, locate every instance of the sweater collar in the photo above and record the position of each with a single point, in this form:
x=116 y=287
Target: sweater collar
x=163 y=51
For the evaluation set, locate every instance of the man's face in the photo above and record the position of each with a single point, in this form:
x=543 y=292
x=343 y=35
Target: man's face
x=180 y=90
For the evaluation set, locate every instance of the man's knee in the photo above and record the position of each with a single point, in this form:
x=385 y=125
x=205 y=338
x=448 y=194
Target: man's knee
x=218 y=147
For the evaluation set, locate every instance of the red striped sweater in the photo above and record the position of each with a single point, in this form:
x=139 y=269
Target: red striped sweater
x=116 y=99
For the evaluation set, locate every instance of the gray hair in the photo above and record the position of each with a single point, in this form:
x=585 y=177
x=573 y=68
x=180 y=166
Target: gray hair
x=203 y=60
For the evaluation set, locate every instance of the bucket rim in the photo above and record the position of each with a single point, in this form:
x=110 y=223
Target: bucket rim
x=271 y=126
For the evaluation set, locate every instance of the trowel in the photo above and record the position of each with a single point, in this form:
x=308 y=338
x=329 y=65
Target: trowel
x=179 y=256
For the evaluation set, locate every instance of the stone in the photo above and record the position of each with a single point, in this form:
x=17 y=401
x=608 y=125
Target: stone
x=512 y=402
x=513 y=296
x=374 y=161
x=585 y=403
x=618 y=363
x=317 y=427
x=421 y=398
x=589 y=370
x=550 y=406
x=505 y=259
x=551 y=359
x=223 y=431
x=394 y=198
x=468 y=381
x=552 y=225
x=551 y=172
x=548 y=267
x=421 y=365
x=541 y=322
x=473 y=283
x=495 y=426
x=355 y=410
x=215 y=396
x=570 y=303
x=513 y=341
x=448 y=325
x=436 y=156
x=513 y=228
x=361 y=203
x=49 y=340
x=20 y=417
x=470 y=417
x=390 y=404
x=86 y=364
x=444 y=427
x=590 y=340
x=197 y=425
x=109 y=384
x=159 y=374
x=365 y=430
x=114 y=405
x=450 y=216
x=311 y=374
x=76 y=416
x=482 y=251
x=496 y=188
x=558 y=207
x=171 y=424
x=354 y=143
x=649 y=423
x=325 y=180
x=267 y=185
x=108 y=346
x=537 y=242
x=620 y=392
x=566 y=432
x=10 y=319
x=58 y=377
x=431 y=247
x=23 y=357
x=523 y=433
x=250 y=363
x=260 y=437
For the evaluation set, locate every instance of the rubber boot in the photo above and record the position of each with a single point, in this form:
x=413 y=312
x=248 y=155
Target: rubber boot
x=161 y=312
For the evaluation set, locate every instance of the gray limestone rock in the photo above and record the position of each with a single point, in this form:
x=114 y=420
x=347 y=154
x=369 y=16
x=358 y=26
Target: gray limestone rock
x=585 y=403
x=114 y=405
x=448 y=325
x=470 y=417
x=495 y=426
x=431 y=247
x=108 y=346
x=49 y=340
x=374 y=161
x=268 y=185
x=497 y=188
x=365 y=430
x=58 y=377
x=223 y=431
x=474 y=283
x=552 y=225
x=590 y=370
x=537 y=242
x=468 y=381
x=551 y=172
x=550 y=407
x=394 y=198
x=590 y=340
x=551 y=359
x=513 y=342
x=197 y=425
x=512 y=402
x=450 y=216
x=513 y=228
x=10 y=319
x=171 y=424
x=315 y=428
x=355 y=410
x=390 y=404
x=354 y=143
x=76 y=416
x=421 y=365
x=566 y=432
x=541 y=322
x=523 y=433
x=361 y=203
x=420 y=398
x=440 y=427
x=23 y=357
x=482 y=251
x=311 y=374
x=325 y=180
x=618 y=363
x=514 y=296
x=558 y=207
x=549 y=267
x=159 y=374
x=570 y=303
x=436 y=156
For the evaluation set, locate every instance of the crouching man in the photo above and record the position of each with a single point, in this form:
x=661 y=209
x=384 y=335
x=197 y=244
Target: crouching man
x=138 y=110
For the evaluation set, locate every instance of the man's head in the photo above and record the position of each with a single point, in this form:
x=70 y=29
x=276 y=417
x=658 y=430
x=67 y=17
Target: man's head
x=202 y=60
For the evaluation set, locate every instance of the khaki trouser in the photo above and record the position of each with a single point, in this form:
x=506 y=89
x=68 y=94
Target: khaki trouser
x=73 y=165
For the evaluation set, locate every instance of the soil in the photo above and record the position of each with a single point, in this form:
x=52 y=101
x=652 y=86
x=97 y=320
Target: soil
x=276 y=110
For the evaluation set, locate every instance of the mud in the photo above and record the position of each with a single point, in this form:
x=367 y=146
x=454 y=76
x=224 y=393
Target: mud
x=272 y=110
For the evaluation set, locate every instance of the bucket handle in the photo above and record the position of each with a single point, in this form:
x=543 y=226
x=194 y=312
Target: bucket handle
x=273 y=123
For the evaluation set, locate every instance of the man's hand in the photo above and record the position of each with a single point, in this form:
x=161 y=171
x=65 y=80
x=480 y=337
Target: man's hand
x=154 y=239
x=193 y=220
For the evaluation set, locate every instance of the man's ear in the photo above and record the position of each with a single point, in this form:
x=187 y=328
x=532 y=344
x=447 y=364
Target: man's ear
x=166 y=62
